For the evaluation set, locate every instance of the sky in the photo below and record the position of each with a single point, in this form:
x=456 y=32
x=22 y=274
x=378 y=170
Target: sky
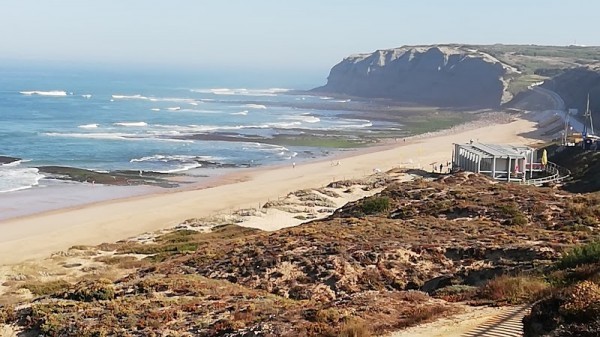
x=279 y=35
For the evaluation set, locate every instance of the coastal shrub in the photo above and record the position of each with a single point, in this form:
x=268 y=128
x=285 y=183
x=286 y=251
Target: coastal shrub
x=583 y=300
x=89 y=291
x=589 y=253
x=355 y=328
x=456 y=293
x=7 y=314
x=514 y=289
x=46 y=288
x=375 y=205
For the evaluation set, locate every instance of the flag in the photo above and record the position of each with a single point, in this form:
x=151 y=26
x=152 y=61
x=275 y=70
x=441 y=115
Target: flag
x=545 y=158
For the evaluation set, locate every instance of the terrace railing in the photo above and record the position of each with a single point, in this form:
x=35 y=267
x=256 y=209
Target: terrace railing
x=556 y=174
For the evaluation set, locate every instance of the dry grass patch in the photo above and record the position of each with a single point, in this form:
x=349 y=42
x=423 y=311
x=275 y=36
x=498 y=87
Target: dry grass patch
x=46 y=288
x=514 y=289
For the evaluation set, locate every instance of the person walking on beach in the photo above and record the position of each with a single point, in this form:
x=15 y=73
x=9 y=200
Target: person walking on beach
x=293 y=164
x=441 y=167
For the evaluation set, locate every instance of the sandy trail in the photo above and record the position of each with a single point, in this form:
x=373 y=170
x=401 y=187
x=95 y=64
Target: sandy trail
x=476 y=322
x=37 y=236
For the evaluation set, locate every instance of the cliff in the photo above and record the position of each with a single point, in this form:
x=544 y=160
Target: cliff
x=574 y=85
x=450 y=76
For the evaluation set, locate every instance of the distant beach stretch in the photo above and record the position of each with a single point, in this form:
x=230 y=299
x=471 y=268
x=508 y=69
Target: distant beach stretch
x=37 y=236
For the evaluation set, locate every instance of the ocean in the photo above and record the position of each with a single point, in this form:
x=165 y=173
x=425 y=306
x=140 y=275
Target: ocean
x=105 y=122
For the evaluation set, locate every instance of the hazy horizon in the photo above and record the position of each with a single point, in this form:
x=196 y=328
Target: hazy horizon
x=269 y=37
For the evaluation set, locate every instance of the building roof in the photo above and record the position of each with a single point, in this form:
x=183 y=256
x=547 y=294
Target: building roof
x=495 y=150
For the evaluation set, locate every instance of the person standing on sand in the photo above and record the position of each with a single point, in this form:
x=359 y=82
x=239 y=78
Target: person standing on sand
x=293 y=164
x=441 y=167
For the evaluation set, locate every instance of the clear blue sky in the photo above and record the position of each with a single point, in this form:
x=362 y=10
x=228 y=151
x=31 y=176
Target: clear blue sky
x=279 y=34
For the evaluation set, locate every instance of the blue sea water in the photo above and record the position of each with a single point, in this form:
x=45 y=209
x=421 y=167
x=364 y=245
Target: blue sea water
x=105 y=122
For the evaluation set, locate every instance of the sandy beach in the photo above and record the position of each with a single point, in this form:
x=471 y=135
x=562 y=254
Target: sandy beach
x=37 y=236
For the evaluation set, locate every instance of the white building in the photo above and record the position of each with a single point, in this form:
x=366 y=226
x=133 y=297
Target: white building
x=501 y=162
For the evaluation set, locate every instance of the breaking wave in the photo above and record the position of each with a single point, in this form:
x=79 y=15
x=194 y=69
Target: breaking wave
x=14 y=177
x=241 y=113
x=131 y=124
x=57 y=93
x=303 y=118
x=174 y=163
x=255 y=106
x=242 y=91
x=88 y=126
x=129 y=97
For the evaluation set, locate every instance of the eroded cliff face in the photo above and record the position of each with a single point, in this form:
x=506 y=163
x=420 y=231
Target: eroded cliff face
x=574 y=85
x=431 y=75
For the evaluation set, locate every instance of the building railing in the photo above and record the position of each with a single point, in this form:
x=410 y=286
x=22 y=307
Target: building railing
x=556 y=175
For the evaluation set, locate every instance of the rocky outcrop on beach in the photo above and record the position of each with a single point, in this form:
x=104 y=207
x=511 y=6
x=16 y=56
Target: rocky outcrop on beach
x=375 y=265
x=427 y=75
x=8 y=160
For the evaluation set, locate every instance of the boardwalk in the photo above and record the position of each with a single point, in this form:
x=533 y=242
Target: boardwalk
x=508 y=324
x=476 y=322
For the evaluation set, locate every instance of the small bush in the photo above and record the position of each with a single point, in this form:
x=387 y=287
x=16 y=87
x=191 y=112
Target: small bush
x=514 y=289
x=375 y=205
x=583 y=300
x=589 y=253
x=355 y=328
x=46 y=288
x=7 y=314
x=456 y=293
x=88 y=291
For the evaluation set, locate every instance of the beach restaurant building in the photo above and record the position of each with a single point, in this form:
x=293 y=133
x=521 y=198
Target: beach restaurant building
x=501 y=162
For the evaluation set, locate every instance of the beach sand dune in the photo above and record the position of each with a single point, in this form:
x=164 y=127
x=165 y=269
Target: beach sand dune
x=37 y=236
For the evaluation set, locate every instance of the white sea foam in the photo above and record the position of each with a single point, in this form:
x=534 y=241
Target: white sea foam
x=241 y=113
x=354 y=124
x=255 y=106
x=131 y=124
x=177 y=163
x=341 y=101
x=177 y=108
x=129 y=97
x=56 y=93
x=303 y=118
x=325 y=98
x=86 y=96
x=107 y=136
x=194 y=103
x=242 y=91
x=14 y=177
x=155 y=109
x=172 y=99
x=88 y=126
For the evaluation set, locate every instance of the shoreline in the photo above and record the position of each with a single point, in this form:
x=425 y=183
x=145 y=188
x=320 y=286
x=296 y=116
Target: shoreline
x=37 y=236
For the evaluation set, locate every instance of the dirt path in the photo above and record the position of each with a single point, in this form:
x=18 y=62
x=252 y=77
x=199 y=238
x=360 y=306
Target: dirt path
x=477 y=322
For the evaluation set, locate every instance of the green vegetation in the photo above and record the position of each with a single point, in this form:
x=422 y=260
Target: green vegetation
x=434 y=122
x=93 y=290
x=586 y=254
x=573 y=306
x=375 y=205
x=46 y=288
x=519 y=84
x=339 y=142
x=514 y=289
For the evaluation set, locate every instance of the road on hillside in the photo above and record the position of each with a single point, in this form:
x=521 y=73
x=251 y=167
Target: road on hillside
x=560 y=108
